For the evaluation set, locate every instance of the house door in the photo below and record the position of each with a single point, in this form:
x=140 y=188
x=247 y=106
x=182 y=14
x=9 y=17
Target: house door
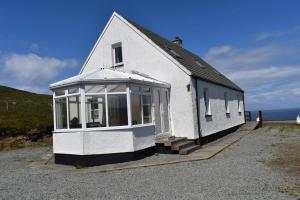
x=161 y=111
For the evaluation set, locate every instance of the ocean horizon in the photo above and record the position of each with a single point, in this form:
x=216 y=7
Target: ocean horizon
x=277 y=114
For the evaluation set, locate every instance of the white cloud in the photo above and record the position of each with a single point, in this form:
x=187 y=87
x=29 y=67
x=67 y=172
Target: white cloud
x=269 y=74
x=33 y=72
x=265 y=74
x=275 y=34
x=228 y=58
x=34 y=47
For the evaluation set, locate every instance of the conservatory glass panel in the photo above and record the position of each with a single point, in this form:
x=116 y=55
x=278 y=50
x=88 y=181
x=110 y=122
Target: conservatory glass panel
x=157 y=113
x=116 y=88
x=95 y=111
x=136 y=109
x=146 y=89
x=73 y=90
x=61 y=113
x=59 y=92
x=147 y=117
x=165 y=111
x=94 y=88
x=117 y=109
x=74 y=112
x=135 y=88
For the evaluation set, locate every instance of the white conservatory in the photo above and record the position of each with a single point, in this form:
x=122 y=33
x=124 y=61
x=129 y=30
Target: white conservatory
x=107 y=114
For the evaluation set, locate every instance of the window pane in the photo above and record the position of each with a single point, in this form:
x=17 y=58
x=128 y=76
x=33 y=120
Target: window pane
x=59 y=92
x=74 y=112
x=157 y=111
x=61 y=113
x=73 y=90
x=118 y=55
x=147 y=117
x=226 y=102
x=146 y=89
x=117 y=109
x=116 y=88
x=94 y=88
x=135 y=88
x=95 y=111
x=136 y=109
x=206 y=101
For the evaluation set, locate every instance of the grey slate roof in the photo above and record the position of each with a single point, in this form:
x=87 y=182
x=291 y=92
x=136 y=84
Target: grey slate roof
x=197 y=66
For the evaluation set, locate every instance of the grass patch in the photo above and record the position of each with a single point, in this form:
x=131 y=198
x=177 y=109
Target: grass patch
x=24 y=110
x=12 y=143
x=286 y=156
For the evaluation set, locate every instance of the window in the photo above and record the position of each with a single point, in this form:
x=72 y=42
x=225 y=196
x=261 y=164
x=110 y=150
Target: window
x=61 y=113
x=94 y=88
x=136 y=109
x=117 y=54
x=147 y=116
x=95 y=111
x=74 y=112
x=226 y=102
x=141 y=105
x=117 y=109
x=206 y=101
x=59 y=92
x=73 y=90
x=239 y=104
x=116 y=88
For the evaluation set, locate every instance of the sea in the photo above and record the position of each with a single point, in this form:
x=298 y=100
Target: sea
x=277 y=115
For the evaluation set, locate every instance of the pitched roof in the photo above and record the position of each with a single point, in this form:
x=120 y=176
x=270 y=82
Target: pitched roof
x=197 y=66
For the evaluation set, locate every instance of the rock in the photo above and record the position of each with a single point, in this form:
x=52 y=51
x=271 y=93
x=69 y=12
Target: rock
x=33 y=135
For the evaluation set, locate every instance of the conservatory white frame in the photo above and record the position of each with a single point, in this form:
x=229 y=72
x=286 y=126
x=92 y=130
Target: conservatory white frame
x=82 y=94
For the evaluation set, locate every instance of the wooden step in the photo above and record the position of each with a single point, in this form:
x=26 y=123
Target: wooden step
x=176 y=140
x=189 y=149
x=182 y=145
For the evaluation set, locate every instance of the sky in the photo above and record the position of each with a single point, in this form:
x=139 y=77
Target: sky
x=255 y=43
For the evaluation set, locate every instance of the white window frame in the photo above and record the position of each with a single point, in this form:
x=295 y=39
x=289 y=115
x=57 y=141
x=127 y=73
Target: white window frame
x=83 y=96
x=206 y=100
x=66 y=96
x=140 y=93
x=114 y=46
x=239 y=104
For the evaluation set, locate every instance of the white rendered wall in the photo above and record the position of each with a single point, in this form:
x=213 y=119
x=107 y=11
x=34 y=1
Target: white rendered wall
x=143 y=137
x=104 y=141
x=68 y=143
x=140 y=55
x=218 y=120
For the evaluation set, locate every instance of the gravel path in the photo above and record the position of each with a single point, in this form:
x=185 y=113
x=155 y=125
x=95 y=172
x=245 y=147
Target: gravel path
x=236 y=173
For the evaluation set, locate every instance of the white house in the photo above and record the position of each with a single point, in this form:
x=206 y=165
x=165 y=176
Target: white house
x=134 y=89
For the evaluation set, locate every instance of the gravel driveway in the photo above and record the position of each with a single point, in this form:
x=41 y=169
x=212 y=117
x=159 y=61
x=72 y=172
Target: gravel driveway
x=236 y=173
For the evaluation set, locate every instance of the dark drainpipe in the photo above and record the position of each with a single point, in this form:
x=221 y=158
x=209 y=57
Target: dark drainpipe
x=198 y=111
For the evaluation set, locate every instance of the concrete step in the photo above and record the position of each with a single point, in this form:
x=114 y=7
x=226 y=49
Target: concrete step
x=182 y=145
x=189 y=149
x=171 y=142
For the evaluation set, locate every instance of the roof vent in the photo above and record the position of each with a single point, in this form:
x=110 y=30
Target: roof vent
x=177 y=41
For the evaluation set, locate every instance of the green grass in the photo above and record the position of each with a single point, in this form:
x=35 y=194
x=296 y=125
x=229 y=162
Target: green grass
x=26 y=110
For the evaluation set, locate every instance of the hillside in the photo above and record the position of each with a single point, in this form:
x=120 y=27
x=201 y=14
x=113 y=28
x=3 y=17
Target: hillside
x=24 y=110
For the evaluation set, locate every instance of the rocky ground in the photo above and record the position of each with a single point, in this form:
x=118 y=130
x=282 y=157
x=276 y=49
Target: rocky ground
x=263 y=165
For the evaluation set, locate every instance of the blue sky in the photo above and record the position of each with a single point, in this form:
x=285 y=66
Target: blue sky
x=255 y=43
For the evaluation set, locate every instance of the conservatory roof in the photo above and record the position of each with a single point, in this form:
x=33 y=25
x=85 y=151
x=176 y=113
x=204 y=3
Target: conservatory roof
x=103 y=75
